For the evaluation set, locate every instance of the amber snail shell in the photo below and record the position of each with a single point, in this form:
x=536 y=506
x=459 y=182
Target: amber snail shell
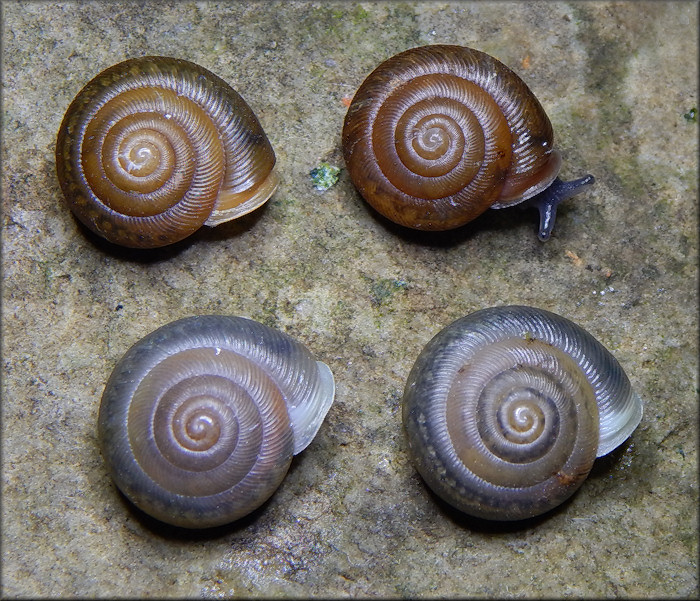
x=155 y=147
x=506 y=409
x=436 y=135
x=200 y=419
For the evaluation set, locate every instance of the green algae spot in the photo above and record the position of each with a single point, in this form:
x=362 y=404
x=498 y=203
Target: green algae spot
x=382 y=289
x=359 y=15
x=324 y=176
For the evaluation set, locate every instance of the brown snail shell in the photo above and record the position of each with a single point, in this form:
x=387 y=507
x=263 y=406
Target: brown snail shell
x=436 y=135
x=506 y=409
x=199 y=420
x=155 y=147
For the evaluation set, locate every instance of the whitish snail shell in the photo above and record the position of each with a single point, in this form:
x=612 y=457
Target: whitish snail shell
x=436 y=135
x=153 y=148
x=199 y=420
x=506 y=409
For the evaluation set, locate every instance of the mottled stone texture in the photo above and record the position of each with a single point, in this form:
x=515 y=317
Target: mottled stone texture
x=352 y=517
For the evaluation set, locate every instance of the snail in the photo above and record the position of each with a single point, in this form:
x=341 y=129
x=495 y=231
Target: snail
x=153 y=148
x=437 y=134
x=506 y=410
x=200 y=419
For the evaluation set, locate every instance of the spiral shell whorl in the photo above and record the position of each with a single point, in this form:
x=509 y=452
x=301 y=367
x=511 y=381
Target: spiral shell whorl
x=506 y=410
x=438 y=134
x=153 y=148
x=200 y=419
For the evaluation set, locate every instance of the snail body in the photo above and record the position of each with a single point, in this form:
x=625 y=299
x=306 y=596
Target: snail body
x=200 y=419
x=437 y=134
x=153 y=148
x=506 y=409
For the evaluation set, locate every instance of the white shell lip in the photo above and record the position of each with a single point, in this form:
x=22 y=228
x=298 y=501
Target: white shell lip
x=265 y=190
x=306 y=418
x=617 y=426
x=548 y=175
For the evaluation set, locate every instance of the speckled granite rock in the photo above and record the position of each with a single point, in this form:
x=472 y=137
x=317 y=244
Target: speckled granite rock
x=352 y=518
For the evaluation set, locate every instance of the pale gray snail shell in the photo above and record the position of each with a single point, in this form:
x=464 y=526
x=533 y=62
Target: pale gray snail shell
x=506 y=409
x=200 y=419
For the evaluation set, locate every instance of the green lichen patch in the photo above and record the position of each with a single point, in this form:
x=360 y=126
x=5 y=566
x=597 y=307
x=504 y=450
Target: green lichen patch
x=382 y=290
x=324 y=176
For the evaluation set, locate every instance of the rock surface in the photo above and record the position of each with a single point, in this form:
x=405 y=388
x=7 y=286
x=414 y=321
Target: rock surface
x=353 y=518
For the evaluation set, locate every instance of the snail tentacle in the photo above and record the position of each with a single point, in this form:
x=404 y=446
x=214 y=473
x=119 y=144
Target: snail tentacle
x=547 y=201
